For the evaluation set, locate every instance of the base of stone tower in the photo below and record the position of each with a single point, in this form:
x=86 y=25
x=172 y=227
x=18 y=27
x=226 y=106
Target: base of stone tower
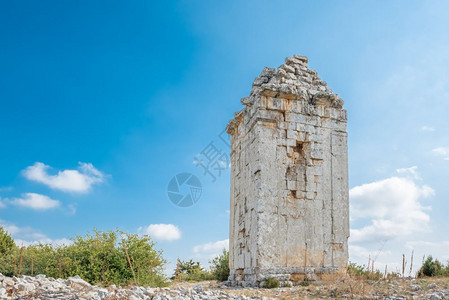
x=290 y=276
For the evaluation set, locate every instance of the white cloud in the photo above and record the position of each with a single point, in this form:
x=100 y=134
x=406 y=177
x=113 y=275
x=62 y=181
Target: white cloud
x=442 y=151
x=388 y=229
x=35 y=201
x=79 y=181
x=358 y=253
x=391 y=208
x=210 y=250
x=162 y=232
x=427 y=128
x=2 y=204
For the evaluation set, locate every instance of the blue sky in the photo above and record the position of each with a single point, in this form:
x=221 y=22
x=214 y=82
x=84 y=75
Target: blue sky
x=120 y=96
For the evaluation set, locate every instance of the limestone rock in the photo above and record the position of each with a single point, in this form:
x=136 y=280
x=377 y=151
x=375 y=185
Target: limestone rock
x=77 y=283
x=8 y=282
x=432 y=286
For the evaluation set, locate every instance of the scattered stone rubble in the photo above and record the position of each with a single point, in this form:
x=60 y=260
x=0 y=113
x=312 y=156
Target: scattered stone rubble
x=41 y=287
x=289 y=179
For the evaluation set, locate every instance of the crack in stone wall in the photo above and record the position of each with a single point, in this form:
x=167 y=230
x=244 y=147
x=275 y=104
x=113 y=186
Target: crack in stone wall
x=289 y=179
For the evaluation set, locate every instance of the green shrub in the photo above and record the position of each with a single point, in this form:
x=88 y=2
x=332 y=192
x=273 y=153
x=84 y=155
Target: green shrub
x=6 y=242
x=358 y=271
x=99 y=258
x=8 y=253
x=304 y=283
x=432 y=268
x=191 y=271
x=271 y=283
x=220 y=266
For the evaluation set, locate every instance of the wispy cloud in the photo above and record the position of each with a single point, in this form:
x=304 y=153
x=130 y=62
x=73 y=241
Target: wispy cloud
x=427 y=128
x=71 y=209
x=412 y=171
x=25 y=236
x=5 y=188
x=2 y=204
x=55 y=242
x=442 y=151
x=35 y=201
x=78 y=181
x=162 y=232
x=21 y=232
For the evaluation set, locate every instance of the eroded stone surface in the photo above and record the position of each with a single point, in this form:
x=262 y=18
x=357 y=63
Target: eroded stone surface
x=289 y=178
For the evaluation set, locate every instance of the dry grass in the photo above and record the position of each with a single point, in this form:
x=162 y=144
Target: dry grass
x=343 y=286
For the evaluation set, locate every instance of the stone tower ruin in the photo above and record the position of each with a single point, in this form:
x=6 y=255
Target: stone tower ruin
x=289 y=179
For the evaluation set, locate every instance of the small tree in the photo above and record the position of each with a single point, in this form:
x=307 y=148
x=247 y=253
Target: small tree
x=191 y=271
x=431 y=268
x=6 y=242
x=220 y=266
x=188 y=267
x=8 y=254
x=147 y=261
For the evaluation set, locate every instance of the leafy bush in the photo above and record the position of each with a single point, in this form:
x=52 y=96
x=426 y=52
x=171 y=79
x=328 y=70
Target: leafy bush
x=6 y=242
x=271 y=283
x=8 y=253
x=432 y=268
x=99 y=258
x=220 y=266
x=191 y=271
x=355 y=270
x=304 y=283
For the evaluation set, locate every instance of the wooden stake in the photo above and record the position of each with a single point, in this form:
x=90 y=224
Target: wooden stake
x=20 y=260
x=138 y=275
x=369 y=262
x=32 y=266
x=403 y=264
x=15 y=264
x=129 y=260
x=177 y=271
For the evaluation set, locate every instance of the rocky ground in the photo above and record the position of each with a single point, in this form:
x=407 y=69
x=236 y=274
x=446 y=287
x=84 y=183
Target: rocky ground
x=41 y=287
